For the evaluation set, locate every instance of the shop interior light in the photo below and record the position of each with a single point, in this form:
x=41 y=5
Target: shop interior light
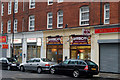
x=54 y=50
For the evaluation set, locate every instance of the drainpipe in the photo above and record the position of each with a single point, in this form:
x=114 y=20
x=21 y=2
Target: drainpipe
x=13 y=30
x=101 y=15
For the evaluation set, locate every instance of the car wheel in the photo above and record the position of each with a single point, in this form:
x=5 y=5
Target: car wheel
x=39 y=70
x=8 y=68
x=52 y=71
x=76 y=73
x=22 y=69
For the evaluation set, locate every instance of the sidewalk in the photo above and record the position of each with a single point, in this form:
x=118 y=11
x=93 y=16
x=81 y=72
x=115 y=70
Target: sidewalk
x=109 y=75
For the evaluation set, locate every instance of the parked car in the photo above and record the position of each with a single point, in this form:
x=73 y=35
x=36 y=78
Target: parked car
x=76 y=67
x=9 y=63
x=36 y=64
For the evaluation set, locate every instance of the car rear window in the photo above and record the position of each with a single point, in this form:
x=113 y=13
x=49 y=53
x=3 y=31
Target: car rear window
x=90 y=63
x=45 y=60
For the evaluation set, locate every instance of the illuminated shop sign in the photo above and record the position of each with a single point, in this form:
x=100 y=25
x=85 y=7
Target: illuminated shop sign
x=15 y=41
x=107 y=30
x=31 y=40
x=39 y=41
x=3 y=39
x=55 y=40
x=79 y=39
x=4 y=46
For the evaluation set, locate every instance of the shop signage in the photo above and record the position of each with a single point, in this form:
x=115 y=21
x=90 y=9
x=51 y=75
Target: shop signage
x=4 y=46
x=3 y=39
x=79 y=39
x=86 y=31
x=31 y=40
x=16 y=41
x=39 y=41
x=54 y=40
x=107 y=30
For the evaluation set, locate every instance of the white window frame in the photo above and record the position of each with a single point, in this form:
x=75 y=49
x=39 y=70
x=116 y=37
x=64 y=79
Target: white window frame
x=81 y=16
x=9 y=7
x=2 y=9
x=105 y=13
x=60 y=1
x=31 y=3
x=1 y=27
x=58 y=17
x=33 y=26
x=16 y=6
x=48 y=17
x=50 y=1
x=9 y=26
x=15 y=25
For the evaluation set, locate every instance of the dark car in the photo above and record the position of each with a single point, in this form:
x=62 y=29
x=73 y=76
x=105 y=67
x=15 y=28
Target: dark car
x=76 y=67
x=9 y=63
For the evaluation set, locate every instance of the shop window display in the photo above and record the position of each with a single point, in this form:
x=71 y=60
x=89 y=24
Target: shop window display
x=33 y=51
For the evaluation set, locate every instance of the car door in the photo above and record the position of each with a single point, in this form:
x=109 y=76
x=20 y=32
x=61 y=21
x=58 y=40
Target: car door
x=71 y=65
x=35 y=64
x=64 y=66
x=28 y=64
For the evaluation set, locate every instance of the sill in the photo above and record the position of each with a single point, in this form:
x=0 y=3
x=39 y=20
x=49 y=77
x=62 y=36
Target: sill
x=50 y=4
x=32 y=8
x=84 y=25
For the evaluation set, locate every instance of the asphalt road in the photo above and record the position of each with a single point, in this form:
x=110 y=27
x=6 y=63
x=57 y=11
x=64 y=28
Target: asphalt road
x=18 y=75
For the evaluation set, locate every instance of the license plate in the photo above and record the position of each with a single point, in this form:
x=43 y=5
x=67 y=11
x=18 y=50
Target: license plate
x=93 y=68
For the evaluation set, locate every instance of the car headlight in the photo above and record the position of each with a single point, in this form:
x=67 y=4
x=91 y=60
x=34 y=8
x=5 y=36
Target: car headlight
x=13 y=64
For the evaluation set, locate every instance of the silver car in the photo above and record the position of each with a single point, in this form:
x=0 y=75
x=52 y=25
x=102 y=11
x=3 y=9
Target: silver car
x=36 y=64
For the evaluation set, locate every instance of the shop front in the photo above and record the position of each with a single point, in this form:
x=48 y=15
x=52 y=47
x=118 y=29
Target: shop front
x=80 y=47
x=55 y=48
x=18 y=49
x=33 y=48
x=109 y=46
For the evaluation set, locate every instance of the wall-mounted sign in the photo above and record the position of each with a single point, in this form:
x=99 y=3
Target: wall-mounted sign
x=107 y=30
x=3 y=39
x=4 y=46
x=39 y=41
x=86 y=32
x=31 y=40
x=55 y=40
x=79 y=39
x=17 y=41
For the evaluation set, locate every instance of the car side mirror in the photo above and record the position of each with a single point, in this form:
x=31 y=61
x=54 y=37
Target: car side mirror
x=27 y=61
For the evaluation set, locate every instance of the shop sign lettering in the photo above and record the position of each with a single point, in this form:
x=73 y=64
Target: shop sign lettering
x=3 y=39
x=54 y=40
x=86 y=31
x=79 y=39
x=31 y=40
x=4 y=46
x=17 y=41
x=107 y=30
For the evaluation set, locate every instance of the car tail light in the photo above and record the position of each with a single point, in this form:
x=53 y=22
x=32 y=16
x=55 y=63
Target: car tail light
x=47 y=64
x=86 y=68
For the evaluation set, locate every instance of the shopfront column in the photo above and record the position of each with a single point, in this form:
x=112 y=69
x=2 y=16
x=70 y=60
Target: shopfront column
x=66 y=48
x=24 y=50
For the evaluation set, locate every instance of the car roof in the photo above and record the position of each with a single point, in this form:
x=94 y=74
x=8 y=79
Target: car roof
x=78 y=59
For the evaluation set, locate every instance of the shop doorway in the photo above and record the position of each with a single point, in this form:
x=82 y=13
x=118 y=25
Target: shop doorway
x=18 y=53
x=78 y=52
x=55 y=53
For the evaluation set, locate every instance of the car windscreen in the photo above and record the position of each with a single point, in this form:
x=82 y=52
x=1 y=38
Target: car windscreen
x=91 y=63
x=45 y=60
x=12 y=60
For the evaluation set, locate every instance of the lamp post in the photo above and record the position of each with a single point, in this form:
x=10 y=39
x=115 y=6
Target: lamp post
x=13 y=29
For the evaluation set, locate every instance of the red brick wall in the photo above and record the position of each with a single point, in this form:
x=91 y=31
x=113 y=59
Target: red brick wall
x=71 y=13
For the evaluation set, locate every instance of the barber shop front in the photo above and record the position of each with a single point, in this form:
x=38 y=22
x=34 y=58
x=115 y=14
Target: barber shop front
x=80 y=47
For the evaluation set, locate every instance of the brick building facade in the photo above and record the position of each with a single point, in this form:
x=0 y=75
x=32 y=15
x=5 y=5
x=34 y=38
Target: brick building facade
x=58 y=43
